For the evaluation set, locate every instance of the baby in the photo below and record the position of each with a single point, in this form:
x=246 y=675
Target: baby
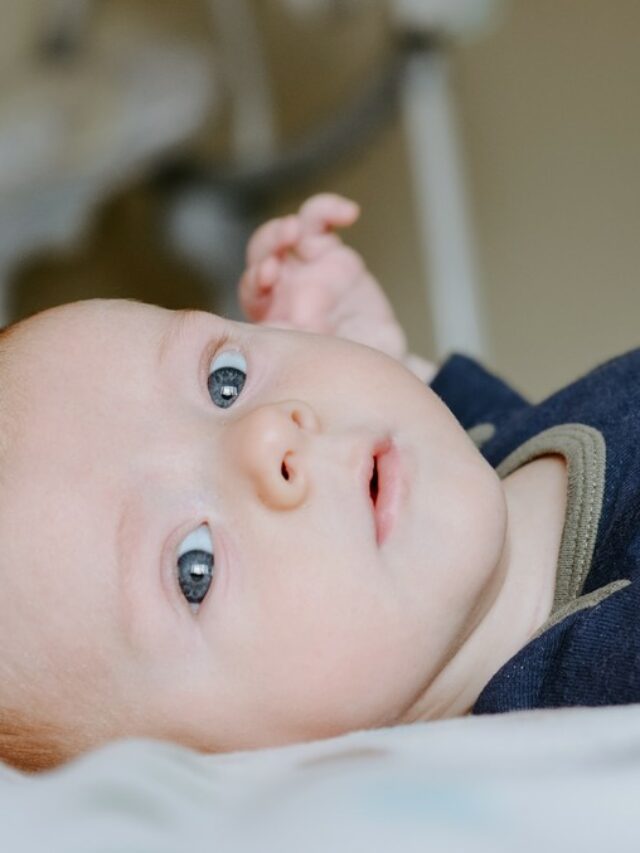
x=234 y=536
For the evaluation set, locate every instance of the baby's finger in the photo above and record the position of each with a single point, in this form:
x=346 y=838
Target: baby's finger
x=246 y=292
x=267 y=273
x=312 y=246
x=274 y=237
x=256 y=288
x=326 y=211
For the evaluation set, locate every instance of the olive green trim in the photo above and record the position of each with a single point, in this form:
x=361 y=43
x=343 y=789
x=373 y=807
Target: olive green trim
x=481 y=433
x=582 y=603
x=585 y=452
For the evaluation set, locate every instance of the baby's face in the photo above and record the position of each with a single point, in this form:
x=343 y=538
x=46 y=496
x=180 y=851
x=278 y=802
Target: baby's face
x=137 y=483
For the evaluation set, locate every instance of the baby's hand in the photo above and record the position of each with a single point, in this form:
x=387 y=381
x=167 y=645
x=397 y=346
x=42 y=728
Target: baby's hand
x=301 y=275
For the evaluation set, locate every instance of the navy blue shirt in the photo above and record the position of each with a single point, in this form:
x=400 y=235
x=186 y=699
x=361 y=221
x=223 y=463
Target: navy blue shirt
x=588 y=652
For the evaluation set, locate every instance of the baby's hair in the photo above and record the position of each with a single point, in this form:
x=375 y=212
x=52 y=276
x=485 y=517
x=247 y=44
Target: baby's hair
x=31 y=745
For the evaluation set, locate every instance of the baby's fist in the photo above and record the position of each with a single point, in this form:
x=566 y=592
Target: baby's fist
x=277 y=252
x=300 y=275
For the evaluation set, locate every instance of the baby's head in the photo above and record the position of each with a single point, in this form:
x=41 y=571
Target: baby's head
x=224 y=535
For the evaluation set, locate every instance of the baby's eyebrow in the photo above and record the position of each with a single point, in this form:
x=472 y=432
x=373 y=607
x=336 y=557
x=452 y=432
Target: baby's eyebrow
x=177 y=327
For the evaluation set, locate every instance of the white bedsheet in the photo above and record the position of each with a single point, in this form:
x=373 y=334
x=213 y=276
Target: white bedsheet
x=546 y=780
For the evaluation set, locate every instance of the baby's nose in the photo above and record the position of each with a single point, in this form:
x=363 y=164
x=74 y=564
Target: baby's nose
x=272 y=450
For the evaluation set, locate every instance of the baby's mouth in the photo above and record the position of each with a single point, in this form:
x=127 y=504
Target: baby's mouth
x=373 y=482
x=385 y=488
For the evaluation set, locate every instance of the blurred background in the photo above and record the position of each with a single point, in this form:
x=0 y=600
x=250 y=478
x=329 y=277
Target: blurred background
x=492 y=144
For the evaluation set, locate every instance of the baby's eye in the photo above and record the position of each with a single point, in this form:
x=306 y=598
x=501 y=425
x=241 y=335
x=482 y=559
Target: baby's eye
x=195 y=565
x=227 y=375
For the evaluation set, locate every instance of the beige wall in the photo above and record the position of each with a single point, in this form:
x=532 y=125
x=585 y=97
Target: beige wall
x=550 y=105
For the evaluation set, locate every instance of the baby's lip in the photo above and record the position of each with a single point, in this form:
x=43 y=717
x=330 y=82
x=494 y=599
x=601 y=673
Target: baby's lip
x=385 y=487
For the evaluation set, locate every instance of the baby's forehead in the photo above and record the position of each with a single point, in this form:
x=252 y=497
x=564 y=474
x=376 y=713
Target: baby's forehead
x=95 y=314
x=69 y=334
x=61 y=357
x=77 y=384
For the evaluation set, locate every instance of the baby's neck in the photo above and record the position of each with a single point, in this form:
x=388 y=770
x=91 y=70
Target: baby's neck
x=536 y=496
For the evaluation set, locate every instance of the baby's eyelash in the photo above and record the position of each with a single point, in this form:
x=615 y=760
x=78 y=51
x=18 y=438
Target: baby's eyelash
x=210 y=352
